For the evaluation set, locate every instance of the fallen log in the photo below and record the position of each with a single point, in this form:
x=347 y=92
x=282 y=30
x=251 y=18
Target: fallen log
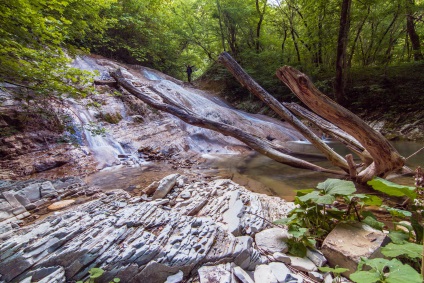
x=331 y=130
x=260 y=145
x=246 y=81
x=385 y=157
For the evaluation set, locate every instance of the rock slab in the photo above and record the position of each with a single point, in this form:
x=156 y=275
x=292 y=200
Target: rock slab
x=272 y=240
x=347 y=243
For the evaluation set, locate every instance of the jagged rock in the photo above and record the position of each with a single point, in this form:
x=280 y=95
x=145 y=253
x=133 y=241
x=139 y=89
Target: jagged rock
x=176 y=278
x=272 y=240
x=32 y=192
x=347 y=243
x=242 y=275
x=219 y=273
x=137 y=242
x=282 y=258
x=47 y=189
x=165 y=185
x=280 y=271
x=231 y=216
x=17 y=207
x=302 y=264
x=328 y=278
x=316 y=276
x=316 y=257
x=150 y=189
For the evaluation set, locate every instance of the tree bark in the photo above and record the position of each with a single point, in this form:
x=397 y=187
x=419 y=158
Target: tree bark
x=340 y=82
x=259 y=25
x=282 y=111
x=256 y=143
x=413 y=35
x=386 y=158
x=332 y=130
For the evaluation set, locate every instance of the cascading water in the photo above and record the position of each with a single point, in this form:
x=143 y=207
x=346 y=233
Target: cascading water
x=106 y=150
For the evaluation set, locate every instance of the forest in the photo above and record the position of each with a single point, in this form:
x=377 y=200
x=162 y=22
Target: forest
x=87 y=85
x=324 y=39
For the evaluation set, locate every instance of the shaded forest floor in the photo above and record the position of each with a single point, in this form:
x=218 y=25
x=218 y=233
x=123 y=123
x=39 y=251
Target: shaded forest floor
x=393 y=95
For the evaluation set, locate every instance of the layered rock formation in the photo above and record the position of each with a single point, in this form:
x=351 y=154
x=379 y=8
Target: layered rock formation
x=138 y=239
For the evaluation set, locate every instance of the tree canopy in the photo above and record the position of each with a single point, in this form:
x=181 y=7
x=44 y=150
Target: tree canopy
x=38 y=37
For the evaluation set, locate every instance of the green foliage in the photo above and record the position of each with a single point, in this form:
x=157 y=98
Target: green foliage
x=384 y=270
x=96 y=273
x=336 y=271
x=392 y=189
x=315 y=215
x=409 y=250
x=33 y=35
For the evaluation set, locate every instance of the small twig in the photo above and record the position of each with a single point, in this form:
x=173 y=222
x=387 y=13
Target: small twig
x=414 y=153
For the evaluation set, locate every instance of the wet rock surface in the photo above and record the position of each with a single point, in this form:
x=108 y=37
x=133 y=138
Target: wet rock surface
x=136 y=238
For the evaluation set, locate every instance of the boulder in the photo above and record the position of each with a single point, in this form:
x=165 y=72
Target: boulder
x=272 y=240
x=347 y=243
x=165 y=185
x=242 y=275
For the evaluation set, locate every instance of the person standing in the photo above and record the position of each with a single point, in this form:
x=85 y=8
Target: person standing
x=189 y=71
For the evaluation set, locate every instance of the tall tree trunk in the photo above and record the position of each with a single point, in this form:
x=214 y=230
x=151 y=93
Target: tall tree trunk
x=410 y=28
x=259 y=25
x=218 y=6
x=341 y=70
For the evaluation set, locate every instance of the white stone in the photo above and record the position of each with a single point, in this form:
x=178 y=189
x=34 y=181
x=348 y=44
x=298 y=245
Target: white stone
x=272 y=240
x=282 y=258
x=232 y=215
x=214 y=274
x=165 y=185
x=303 y=264
x=242 y=275
x=264 y=274
x=280 y=271
x=176 y=278
x=185 y=195
x=317 y=257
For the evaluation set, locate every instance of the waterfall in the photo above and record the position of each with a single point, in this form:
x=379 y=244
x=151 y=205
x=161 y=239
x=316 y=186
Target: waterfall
x=106 y=150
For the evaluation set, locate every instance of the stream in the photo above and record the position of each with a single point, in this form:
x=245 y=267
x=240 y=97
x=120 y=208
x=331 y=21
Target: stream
x=255 y=171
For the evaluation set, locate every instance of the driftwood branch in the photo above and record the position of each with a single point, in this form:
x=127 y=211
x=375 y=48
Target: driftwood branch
x=282 y=111
x=385 y=157
x=105 y=82
x=331 y=130
x=188 y=116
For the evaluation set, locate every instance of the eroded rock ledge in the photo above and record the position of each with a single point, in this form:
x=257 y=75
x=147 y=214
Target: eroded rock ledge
x=142 y=240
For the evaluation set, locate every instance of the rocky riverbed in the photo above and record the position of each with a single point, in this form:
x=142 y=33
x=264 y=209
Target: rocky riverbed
x=175 y=230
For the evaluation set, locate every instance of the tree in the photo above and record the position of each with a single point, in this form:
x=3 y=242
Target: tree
x=341 y=62
x=412 y=33
x=36 y=38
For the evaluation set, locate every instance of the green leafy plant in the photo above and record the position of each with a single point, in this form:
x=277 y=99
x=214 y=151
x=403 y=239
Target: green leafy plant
x=385 y=270
x=336 y=272
x=96 y=273
x=316 y=215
